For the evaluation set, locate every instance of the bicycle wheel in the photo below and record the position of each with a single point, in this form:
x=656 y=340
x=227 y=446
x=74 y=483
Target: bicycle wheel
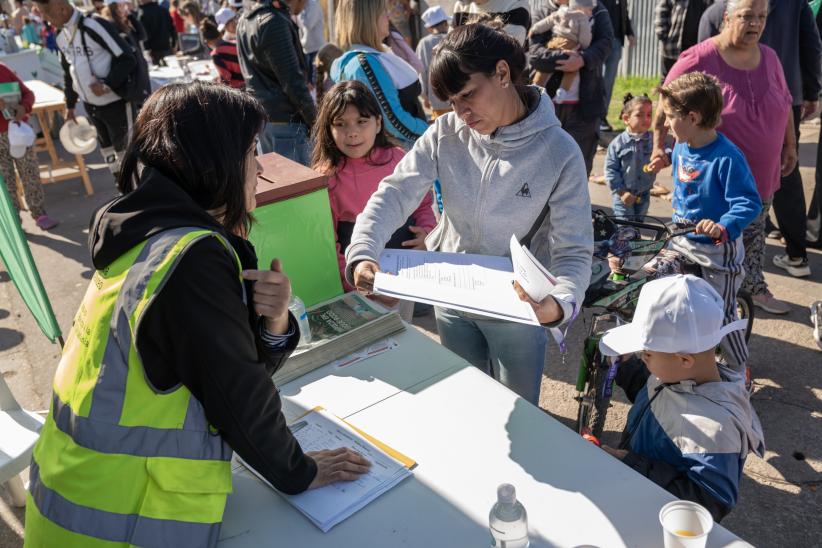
x=745 y=311
x=596 y=398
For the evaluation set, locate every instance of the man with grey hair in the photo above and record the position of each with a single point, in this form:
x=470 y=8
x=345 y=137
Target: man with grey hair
x=792 y=32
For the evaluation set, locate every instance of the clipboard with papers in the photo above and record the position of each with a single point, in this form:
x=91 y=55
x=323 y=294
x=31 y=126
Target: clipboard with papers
x=479 y=284
x=329 y=505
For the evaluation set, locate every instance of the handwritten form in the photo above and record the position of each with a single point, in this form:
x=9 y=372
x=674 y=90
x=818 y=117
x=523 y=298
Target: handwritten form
x=331 y=504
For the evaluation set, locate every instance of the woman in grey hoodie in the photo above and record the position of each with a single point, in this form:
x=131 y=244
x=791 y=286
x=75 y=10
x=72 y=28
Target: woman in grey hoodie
x=506 y=167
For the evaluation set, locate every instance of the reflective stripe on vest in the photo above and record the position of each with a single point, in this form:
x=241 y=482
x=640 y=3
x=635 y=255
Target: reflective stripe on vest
x=107 y=421
x=127 y=528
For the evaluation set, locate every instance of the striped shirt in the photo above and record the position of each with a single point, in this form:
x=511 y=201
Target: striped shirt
x=224 y=57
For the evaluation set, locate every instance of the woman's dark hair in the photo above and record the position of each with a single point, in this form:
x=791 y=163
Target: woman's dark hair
x=325 y=58
x=473 y=48
x=192 y=9
x=120 y=19
x=630 y=102
x=199 y=136
x=209 y=30
x=327 y=157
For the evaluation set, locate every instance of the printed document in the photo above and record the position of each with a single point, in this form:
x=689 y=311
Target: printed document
x=330 y=505
x=480 y=284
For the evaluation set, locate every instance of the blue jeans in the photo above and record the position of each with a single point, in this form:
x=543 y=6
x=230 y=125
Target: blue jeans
x=512 y=353
x=609 y=71
x=638 y=209
x=286 y=139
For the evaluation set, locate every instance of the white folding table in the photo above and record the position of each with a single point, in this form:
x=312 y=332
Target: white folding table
x=468 y=434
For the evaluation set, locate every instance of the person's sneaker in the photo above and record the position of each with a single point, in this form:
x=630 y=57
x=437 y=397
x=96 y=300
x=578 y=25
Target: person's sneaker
x=816 y=320
x=774 y=234
x=597 y=179
x=44 y=222
x=769 y=303
x=798 y=268
x=604 y=126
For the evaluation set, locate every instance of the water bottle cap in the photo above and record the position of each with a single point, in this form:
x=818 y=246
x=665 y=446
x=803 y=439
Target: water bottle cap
x=507 y=493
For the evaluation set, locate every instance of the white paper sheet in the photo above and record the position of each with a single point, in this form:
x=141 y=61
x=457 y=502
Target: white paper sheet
x=329 y=505
x=479 y=284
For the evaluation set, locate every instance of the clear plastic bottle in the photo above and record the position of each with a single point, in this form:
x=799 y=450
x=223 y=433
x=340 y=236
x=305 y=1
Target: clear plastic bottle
x=508 y=521
x=296 y=306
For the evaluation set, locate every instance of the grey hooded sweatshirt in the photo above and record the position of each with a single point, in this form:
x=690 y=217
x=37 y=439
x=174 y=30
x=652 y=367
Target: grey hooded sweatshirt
x=492 y=186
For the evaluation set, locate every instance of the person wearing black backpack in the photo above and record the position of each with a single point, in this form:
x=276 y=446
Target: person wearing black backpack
x=101 y=70
x=134 y=33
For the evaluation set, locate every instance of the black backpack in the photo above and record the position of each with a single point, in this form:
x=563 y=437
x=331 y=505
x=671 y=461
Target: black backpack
x=133 y=90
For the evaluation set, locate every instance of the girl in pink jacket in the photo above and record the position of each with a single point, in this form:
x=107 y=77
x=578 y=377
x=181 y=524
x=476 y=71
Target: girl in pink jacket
x=351 y=147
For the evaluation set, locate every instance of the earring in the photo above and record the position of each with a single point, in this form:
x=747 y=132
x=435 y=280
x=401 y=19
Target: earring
x=505 y=85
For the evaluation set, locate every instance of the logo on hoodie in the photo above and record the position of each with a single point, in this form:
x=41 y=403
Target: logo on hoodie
x=524 y=192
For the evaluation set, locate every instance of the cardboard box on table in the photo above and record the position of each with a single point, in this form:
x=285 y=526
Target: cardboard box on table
x=293 y=224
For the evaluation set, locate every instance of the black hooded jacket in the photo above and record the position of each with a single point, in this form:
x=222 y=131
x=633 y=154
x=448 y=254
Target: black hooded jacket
x=591 y=84
x=198 y=332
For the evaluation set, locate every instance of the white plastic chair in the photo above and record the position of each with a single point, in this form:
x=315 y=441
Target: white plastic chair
x=19 y=430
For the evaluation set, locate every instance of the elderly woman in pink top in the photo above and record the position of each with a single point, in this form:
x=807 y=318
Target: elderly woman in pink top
x=756 y=117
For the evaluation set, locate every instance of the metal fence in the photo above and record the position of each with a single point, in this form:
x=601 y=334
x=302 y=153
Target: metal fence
x=643 y=60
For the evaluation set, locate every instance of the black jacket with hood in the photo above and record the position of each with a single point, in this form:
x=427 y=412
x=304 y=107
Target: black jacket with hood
x=273 y=64
x=198 y=332
x=591 y=84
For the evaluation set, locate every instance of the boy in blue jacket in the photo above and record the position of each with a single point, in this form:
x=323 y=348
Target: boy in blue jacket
x=689 y=430
x=714 y=191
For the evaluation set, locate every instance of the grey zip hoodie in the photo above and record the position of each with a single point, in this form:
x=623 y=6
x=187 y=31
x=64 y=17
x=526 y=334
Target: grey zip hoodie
x=492 y=186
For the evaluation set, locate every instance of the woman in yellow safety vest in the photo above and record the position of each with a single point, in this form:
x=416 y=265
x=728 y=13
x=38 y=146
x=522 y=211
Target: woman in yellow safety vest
x=168 y=365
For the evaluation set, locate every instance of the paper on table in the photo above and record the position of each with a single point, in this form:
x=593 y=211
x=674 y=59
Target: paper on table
x=480 y=284
x=329 y=505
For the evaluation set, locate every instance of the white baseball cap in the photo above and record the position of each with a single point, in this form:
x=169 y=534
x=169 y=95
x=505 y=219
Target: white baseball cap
x=21 y=137
x=223 y=16
x=676 y=314
x=433 y=16
x=236 y=3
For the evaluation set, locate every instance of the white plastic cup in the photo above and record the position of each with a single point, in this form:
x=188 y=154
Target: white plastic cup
x=685 y=524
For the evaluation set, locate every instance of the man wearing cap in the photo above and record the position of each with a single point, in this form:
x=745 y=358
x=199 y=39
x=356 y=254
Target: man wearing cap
x=224 y=50
x=689 y=429
x=436 y=23
x=274 y=69
x=101 y=70
x=161 y=36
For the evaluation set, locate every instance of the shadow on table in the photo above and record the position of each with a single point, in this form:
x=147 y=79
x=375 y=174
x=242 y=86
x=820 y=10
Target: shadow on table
x=256 y=515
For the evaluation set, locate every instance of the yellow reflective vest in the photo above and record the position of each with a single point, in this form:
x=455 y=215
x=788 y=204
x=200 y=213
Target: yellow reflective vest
x=119 y=463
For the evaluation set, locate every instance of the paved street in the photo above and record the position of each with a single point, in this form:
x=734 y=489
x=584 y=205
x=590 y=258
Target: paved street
x=779 y=504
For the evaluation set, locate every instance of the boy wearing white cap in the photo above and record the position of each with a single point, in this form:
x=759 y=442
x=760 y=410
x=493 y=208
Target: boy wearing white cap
x=689 y=430
x=436 y=22
x=226 y=19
